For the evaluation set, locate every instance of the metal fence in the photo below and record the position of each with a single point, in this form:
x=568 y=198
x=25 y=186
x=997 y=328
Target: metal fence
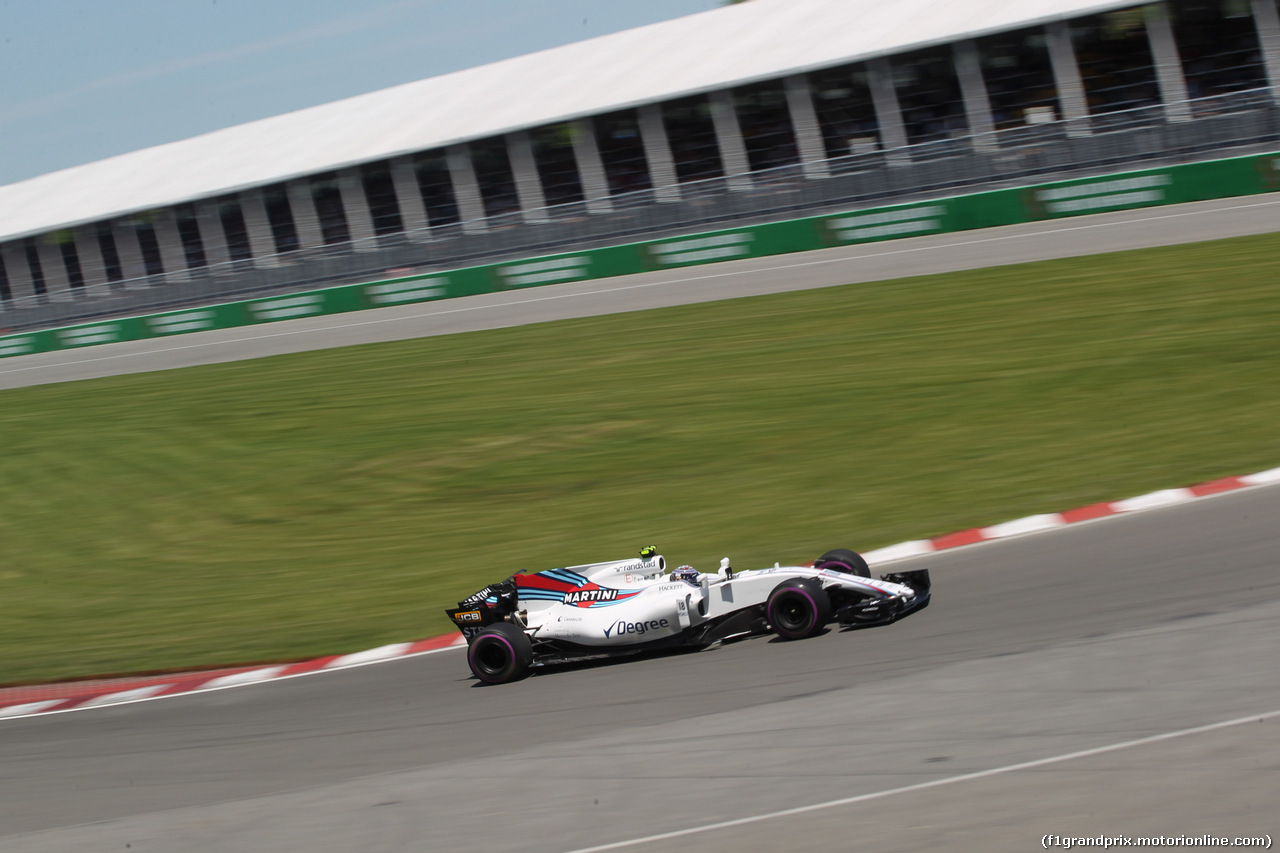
x=1239 y=123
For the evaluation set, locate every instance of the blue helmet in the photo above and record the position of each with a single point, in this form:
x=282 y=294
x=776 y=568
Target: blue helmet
x=685 y=573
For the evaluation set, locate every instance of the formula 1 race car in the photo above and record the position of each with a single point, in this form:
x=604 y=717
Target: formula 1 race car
x=630 y=606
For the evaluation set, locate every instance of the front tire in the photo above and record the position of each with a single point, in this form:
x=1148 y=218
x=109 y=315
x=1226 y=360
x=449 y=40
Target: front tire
x=500 y=653
x=798 y=608
x=844 y=560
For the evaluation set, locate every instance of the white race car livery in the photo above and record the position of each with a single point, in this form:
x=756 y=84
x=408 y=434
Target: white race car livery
x=629 y=606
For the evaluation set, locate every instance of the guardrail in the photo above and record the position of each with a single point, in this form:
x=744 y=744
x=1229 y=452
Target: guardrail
x=1146 y=188
x=1234 y=125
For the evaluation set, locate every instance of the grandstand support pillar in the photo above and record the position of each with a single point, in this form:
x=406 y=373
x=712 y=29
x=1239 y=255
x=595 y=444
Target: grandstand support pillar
x=172 y=255
x=733 y=149
x=893 y=132
x=132 y=267
x=657 y=154
x=21 y=285
x=804 y=120
x=262 y=242
x=466 y=189
x=1267 y=21
x=57 y=285
x=977 y=104
x=355 y=205
x=413 y=213
x=1164 y=51
x=213 y=237
x=524 y=168
x=92 y=267
x=1066 y=74
x=302 y=204
x=591 y=173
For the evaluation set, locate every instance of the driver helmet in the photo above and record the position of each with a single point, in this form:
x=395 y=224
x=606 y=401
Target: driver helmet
x=685 y=573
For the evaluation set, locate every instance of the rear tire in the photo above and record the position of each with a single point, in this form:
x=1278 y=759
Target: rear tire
x=500 y=653
x=798 y=608
x=844 y=560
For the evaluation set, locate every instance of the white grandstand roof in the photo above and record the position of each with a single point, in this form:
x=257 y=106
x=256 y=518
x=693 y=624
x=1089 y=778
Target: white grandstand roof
x=737 y=44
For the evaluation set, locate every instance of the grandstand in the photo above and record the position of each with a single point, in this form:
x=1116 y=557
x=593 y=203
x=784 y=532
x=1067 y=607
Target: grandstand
x=744 y=113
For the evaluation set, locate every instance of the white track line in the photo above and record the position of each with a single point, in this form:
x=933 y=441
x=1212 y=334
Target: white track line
x=950 y=780
x=552 y=297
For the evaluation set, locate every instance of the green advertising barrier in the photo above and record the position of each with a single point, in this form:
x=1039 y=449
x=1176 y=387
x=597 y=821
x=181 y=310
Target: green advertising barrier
x=193 y=320
x=755 y=241
x=558 y=269
x=889 y=223
x=1151 y=188
x=1267 y=172
x=25 y=344
x=107 y=332
x=1130 y=190
x=403 y=291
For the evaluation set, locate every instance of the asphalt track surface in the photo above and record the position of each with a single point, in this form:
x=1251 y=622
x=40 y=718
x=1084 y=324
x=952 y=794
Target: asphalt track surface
x=1086 y=637
x=1119 y=677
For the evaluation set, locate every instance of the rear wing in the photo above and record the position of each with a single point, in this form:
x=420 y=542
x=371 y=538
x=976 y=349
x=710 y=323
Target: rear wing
x=491 y=604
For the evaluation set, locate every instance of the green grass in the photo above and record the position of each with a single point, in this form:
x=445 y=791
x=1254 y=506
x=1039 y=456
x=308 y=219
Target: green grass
x=332 y=501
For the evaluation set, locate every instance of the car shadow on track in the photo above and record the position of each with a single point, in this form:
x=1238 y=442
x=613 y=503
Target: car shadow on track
x=559 y=667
